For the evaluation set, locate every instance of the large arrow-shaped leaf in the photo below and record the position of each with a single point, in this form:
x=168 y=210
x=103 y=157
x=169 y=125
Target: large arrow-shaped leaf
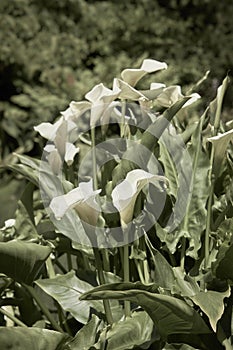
x=66 y=290
x=171 y=315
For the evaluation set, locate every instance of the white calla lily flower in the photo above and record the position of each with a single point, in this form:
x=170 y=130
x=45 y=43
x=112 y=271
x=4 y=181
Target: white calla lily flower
x=75 y=110
x=124 y=195
x=132 y=76
x=220 y=144
x=54 y=157
x=8 y=224
x=193 y=98
x=71 y=152
x=102 y=102
x=127 y=91
x=172 y=94
x=48 y=130
x=62 y=149
x=82 y=199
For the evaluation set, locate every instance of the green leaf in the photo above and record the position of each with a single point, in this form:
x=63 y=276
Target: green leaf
x=22 y=261
x=66 y=290
x=212 y=304
x=23 y=224
x=223 y=267
x=151 y=136
x=216 y=104
x=28 y=173
x=163 y=275
x=128 y=333
x=184 y=285
x=137 y=155
x=194 y=220
x=31 y=338
x=27 y=200
x=86 y=337
x=178 y=347
x=170 y=315
x=170 y=171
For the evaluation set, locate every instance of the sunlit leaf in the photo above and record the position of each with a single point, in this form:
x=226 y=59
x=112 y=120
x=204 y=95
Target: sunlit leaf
x=66 y=290
x=212 y=304
x=192 y=194
x=170 y=315
x=31 y=338
x=86 y=337
x=223 y=266
x=134 y=331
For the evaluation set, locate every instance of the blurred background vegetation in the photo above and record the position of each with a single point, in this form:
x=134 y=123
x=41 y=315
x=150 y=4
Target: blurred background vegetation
x=54 y=51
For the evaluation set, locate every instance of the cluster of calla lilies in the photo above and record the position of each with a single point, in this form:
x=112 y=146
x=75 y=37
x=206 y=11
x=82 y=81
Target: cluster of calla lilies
x=100 y=101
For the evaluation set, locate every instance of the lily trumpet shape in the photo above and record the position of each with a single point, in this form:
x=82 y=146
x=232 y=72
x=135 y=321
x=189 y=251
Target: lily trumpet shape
x=130 y=78
x=172 y=94
x=82 y=199
x=102 y=102
x=220 y=144
x=124 y=195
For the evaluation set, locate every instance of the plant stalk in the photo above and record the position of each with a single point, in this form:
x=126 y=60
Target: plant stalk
x=126 y=276
x=100 y=273
x=123 y=109
x=182 y=257
x=209 y=210
x=99 y=265
x=12 y=318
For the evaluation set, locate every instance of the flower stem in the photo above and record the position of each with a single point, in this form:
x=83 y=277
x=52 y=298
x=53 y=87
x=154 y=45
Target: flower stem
x=12 y=318
x=100 y=273
x=219 y=98
x=126 y=276
x=182 y=255
x=99 y=265
x=123 y=109
x=209 y=209
x=94 y=164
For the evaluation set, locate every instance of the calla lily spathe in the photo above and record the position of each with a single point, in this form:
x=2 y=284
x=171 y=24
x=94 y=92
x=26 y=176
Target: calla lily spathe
x=172 y=94
x=124 y=195
x=54 y=158
x=132 y=76
x=102 y=102
x=220 y=144
x=62 y=149
x=75 y=110
x=82 y=199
